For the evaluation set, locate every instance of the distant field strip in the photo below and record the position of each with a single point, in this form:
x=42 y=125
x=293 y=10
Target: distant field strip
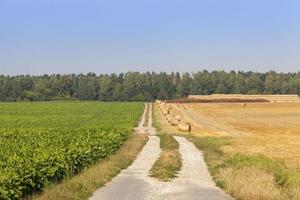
x=232 y=97
x=45 y=142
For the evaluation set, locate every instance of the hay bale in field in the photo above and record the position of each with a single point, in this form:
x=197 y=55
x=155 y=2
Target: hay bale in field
x=178 y=118
x=169 y=118
x=166 y=112
x=243 y=104
x=173 y=122
x=185 y=127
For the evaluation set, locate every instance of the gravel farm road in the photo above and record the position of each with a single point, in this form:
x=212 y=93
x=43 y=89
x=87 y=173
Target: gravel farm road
x=193 y=181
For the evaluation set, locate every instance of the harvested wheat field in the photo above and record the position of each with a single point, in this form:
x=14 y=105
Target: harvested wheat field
x=254 y=139
x=269 y=128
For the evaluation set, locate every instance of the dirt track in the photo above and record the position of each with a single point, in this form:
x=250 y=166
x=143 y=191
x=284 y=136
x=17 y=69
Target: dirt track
x=133 y=183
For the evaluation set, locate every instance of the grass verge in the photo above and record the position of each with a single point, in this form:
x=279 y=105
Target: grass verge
x=246 y=176
x=84 y=184
x=155 y=113
x=169 y=161
x=147 y=115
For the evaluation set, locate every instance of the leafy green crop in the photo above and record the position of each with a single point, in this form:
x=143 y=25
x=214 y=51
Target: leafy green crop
x=53 y=140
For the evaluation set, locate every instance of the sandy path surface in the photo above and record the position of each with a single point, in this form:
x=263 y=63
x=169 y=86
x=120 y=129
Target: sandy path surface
x=133 y=183
x=193 y=182
x=141 y=128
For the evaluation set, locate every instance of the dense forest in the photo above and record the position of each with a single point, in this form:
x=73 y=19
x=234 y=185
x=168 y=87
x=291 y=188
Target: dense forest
x=135 y=86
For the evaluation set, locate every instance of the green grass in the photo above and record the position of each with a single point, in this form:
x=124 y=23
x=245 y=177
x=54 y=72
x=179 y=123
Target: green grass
x=155 y=114
x=168 y=142
x=147 y=115
x=238 y=173
x=284 y=176
x=69 y=114
x=169 y=162
x=44 y=142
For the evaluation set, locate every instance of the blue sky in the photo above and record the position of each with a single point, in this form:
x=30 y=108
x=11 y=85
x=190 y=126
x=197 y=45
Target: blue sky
x=74 y=36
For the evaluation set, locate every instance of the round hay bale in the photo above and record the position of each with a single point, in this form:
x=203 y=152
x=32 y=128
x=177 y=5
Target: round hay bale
x=173 y=122
x=243 y=104
x=178 y=118
x=166 y=112
x=169 y=118
x=185 y=127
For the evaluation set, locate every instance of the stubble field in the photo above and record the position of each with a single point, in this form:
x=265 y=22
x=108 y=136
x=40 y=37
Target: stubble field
x=252 y=149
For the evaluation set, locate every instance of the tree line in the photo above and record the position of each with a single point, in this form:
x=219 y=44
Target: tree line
x=135 y=86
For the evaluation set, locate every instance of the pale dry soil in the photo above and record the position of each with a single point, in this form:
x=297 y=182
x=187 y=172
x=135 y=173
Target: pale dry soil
x=193 y=182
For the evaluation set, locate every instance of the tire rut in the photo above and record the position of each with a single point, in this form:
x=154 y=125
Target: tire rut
x=134 y=183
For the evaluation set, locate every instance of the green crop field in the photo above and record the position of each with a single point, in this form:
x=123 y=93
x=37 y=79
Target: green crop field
x=46 y=141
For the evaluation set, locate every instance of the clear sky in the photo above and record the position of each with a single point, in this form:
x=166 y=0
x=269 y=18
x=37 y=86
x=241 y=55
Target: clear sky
x=104 y=36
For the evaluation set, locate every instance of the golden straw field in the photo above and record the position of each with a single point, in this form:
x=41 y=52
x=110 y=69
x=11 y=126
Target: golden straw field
x=272 y=129
x=256 y=139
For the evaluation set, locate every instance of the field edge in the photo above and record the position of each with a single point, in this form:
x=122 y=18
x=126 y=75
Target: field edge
x=83 y=185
